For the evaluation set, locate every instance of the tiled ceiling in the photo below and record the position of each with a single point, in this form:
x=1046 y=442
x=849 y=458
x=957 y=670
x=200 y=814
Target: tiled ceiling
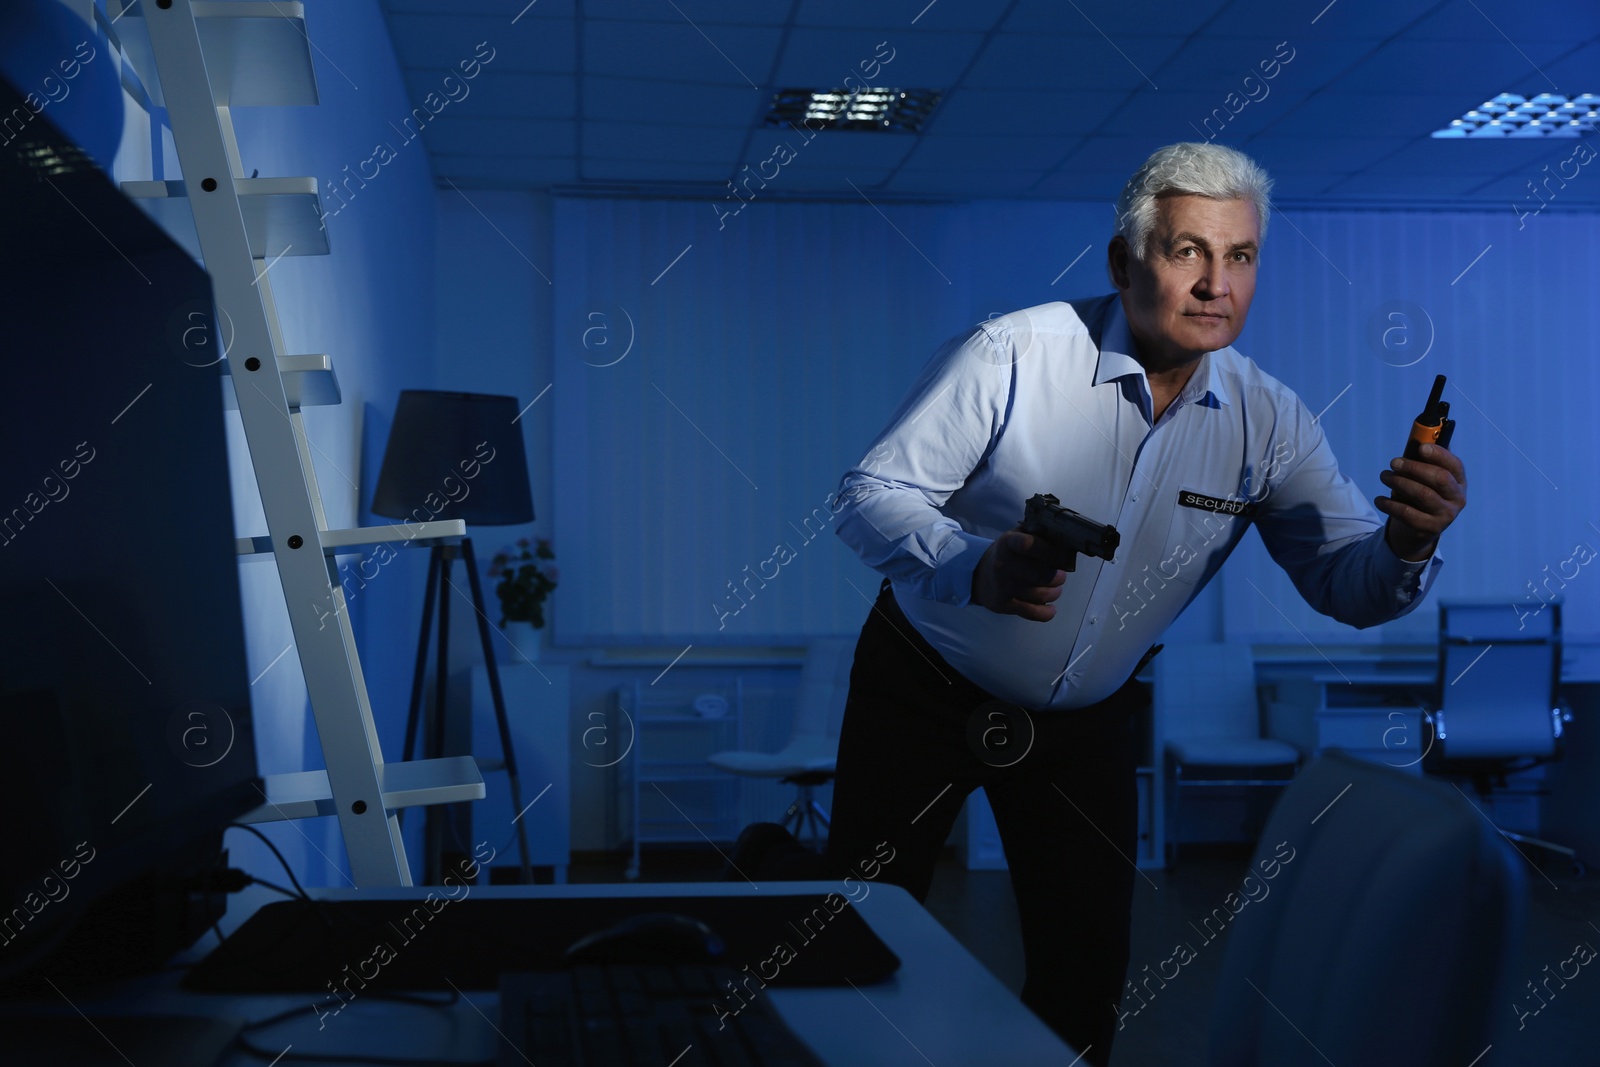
x=1056 y=99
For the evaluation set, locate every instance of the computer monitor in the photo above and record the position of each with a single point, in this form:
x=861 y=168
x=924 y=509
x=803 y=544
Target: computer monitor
x=125 y=742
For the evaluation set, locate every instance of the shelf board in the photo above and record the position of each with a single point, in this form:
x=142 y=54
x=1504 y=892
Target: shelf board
x=256 y=51
x=308 y=381
x=282 y=216
x=417 y=535
x=304 y=794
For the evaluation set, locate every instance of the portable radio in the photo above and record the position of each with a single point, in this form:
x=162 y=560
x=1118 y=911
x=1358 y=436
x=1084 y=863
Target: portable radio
x=1431 y=427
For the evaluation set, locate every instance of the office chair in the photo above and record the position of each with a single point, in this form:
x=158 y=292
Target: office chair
x=1382 y=917
x=807 y=761
x=1498 y=709
x=1207 y=719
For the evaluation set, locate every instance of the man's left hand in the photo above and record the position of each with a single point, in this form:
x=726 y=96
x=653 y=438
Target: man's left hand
x=1428 y=494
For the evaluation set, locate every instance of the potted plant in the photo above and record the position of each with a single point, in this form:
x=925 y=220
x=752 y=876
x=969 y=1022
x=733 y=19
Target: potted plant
x=526 y=582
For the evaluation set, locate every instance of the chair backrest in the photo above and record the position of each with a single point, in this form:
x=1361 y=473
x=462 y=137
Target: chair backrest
x=1206 y=690
x=1499 y=673
x=1378 y=924
x=824 y=684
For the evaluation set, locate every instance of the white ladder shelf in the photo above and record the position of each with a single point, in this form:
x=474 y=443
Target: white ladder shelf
x=197 y=58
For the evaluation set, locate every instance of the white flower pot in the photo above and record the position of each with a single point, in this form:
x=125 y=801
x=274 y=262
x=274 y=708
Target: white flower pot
x=526 y=642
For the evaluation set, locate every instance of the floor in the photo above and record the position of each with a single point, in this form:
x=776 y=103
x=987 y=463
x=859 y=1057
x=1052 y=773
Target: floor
x=978 y=909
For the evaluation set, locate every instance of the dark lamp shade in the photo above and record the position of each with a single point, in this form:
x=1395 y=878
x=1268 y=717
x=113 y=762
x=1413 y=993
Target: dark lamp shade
x=455 y=456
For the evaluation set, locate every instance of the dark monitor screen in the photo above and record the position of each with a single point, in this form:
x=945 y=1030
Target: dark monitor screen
x=125 y=736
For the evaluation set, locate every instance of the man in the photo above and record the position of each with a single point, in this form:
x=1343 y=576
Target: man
x=985 y=663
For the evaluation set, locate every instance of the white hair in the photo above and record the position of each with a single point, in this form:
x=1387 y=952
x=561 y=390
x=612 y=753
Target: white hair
x=1210 y=170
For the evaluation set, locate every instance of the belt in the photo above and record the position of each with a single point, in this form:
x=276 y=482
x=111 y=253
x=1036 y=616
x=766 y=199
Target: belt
x=886 y=593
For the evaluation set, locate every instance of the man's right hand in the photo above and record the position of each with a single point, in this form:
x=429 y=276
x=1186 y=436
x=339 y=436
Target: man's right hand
x=1019 y=575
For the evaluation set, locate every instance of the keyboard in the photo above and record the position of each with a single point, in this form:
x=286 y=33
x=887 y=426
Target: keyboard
x=643 y=1016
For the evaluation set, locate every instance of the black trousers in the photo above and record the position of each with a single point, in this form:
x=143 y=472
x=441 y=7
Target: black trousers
x=918 y=737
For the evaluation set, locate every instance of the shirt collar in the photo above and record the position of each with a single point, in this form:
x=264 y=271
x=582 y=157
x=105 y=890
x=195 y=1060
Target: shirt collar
x=1116 y=361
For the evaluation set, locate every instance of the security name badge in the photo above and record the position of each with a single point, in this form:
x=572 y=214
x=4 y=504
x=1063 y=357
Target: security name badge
x=1221 y=505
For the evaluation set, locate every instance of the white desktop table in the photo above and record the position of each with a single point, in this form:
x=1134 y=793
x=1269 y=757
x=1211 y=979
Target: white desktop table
x=941 y=1006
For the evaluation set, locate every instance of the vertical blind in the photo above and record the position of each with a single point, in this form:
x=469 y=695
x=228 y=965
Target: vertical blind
x=713 y=383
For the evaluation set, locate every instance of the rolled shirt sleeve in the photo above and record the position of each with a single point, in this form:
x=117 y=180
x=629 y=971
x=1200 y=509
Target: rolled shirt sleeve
x=947 y=424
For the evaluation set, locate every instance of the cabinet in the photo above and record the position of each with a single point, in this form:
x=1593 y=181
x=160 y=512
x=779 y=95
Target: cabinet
x=667 y=792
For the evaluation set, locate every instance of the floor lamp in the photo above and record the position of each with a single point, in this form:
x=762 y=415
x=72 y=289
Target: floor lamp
x=455 y=456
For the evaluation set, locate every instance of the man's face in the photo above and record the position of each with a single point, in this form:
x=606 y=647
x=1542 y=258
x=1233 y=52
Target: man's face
x=1191 y=292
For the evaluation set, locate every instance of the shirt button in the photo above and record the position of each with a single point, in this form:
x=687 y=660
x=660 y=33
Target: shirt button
x=1093 y=619
x=1136 y=498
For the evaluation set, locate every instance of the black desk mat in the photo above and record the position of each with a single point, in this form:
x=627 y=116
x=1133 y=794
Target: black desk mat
x=295 y=946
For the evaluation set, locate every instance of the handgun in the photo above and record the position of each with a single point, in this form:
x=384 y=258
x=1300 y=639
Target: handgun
x=1432 y=427
x=1067 y=531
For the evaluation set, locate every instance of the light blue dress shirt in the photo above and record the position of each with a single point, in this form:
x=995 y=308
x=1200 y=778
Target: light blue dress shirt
x=1050 y=400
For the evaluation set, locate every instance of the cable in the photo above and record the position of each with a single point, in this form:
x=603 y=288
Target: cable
x=408 y=998
x=299 y=889
x=275 y=888
x=398 y=1061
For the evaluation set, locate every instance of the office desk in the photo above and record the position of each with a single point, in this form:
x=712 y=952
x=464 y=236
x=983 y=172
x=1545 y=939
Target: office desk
x=940 y=1006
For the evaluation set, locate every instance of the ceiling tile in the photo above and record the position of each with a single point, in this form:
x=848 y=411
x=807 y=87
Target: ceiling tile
x=500 y=9
x=443 y=41
x=503 y=93
x=825 y=58
x=1576 y=71
x=1317 y=20
x=1557 y=22
x=630 y=100
x=1409 y=66
x=1061 y=62
x=903 y=14
x=1052 y=88
x=976 y=112
x=717 y=145
x=1168 y=117
x=1259 y=67
x=1412 y=116
x=998 y=154
x=690 y=11
x=1123 y=20
x=1115 y=154
x=464 y=135
x=716 y=55
x=967 y=184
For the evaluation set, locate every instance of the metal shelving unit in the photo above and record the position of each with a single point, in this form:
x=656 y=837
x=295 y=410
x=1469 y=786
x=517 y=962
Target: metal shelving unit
x=667 y=792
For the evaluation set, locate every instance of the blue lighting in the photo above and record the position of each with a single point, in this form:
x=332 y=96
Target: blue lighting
x=1511 y=115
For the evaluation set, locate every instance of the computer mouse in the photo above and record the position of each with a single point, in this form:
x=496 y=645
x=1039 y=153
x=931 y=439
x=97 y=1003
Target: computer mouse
x=656 y=937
